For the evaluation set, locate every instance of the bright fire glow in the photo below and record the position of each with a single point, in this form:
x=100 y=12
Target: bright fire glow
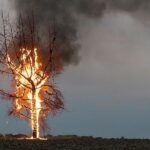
x=30 y=84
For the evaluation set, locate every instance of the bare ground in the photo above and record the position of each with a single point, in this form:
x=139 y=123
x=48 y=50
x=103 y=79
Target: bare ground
x=75 y=143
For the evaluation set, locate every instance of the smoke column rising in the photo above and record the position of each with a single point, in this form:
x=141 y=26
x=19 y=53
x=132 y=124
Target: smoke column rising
x=66 y=13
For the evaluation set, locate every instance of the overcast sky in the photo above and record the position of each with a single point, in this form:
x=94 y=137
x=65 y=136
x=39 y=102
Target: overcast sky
x=108 y=93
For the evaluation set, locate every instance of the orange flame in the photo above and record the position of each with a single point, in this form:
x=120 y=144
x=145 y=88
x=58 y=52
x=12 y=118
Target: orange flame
x=30 y=80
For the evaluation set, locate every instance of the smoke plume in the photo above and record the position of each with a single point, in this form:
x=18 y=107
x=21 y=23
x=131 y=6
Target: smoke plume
x=66 y=14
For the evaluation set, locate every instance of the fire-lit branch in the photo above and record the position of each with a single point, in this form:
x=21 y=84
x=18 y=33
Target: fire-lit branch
x=32 y=70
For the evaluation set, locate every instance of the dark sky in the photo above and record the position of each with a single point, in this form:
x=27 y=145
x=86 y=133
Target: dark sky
x=108 y=93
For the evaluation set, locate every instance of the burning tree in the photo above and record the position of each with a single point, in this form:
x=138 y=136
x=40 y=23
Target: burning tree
x=32 y=70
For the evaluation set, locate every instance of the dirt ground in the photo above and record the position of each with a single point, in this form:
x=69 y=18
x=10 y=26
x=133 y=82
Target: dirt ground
x=75 y=143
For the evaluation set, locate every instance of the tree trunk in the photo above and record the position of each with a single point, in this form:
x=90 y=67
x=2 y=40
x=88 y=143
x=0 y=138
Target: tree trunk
x=34 y=117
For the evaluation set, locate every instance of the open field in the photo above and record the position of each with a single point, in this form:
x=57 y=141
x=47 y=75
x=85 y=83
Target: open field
x=75 y=143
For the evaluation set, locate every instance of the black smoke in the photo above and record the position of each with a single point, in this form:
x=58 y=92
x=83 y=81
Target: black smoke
x=66 y=13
